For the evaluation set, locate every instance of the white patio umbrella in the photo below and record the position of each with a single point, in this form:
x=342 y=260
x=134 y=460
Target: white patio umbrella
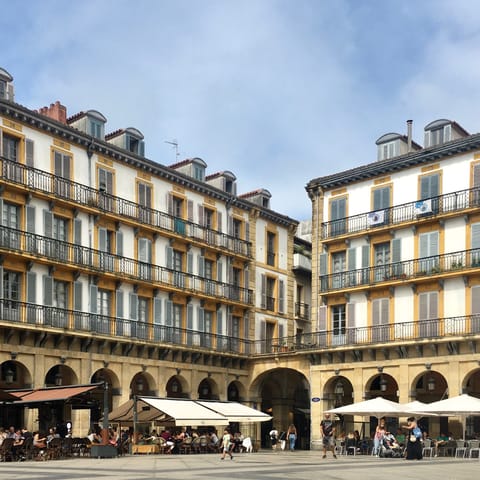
x=462 y=406
x=376 y=407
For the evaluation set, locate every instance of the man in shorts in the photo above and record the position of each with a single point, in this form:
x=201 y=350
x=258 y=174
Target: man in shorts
x=327 y=430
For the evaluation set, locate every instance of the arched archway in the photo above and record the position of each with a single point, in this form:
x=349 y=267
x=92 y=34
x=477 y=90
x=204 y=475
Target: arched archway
x=284 y=393
x=177 y=387
x=207 y=389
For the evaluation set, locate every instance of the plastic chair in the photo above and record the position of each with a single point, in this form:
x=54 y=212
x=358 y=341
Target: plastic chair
x=247 y=445
x=428 y=448
x=473 y=446
x=461 y=450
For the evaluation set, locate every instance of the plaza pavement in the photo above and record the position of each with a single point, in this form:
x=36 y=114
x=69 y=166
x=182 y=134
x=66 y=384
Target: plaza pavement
x=263 y=465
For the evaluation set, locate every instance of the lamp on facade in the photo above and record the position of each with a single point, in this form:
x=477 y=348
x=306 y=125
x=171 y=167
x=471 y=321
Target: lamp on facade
x=174 y=386
x=9 y=376
x=339 y=390
x=58 y=379
x=383 y=384
x=140 y=385
x=431 y=384
x=205 y=389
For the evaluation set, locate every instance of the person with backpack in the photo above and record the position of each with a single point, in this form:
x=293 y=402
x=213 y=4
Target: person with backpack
x=414 y=440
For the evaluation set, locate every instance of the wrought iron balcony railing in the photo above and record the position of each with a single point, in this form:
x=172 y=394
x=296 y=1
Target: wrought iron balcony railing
x=44 y=182
x=88 y=259
x=44 y=317
x=407 y=212
x=437 y=265
x=302 y=310
x=395 y=333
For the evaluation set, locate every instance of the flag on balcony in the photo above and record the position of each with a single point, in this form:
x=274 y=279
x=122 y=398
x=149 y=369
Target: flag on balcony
x=376 y=218
x=423 y=206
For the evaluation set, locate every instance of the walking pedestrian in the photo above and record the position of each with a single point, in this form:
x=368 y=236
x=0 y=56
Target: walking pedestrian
x=327 y=429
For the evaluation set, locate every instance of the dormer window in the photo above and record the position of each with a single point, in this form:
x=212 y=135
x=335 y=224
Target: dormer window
x=6 y=86
x=438 y=133
x=134 y=141
x=198 y=172
x=388 y=146
x=3 y=88
x=96 y=129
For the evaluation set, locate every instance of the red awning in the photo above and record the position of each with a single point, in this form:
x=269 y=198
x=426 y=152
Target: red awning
x=51 y=394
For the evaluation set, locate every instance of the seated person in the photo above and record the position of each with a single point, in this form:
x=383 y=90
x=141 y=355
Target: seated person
x=94 y=436
x=169 y=441
x=400 y=437
x=39 y=441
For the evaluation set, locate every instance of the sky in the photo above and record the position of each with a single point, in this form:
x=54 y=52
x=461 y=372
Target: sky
x=279 y=92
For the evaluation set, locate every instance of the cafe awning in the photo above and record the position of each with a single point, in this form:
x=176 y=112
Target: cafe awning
x=7 y=397
x=236 y=412
x=51 y=394
x=182 y=412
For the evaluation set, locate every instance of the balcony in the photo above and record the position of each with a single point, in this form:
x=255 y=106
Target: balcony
x=405 y=213
x=34 y=180
x=302 y=311
x=302 y=262
x=395 y=333
x=53 y=319
x=89 y=260
x=440 y=266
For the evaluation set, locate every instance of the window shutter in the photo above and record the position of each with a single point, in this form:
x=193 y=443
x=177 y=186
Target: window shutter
x=31 y=287
x=1 y=206
x=322 y=318
x=48 y=223
x=220 y=271
x=168 y=313
x=102 y=239
x=30 y=213
x=229 y=323
x=246 y=276
x=189 y=262
x=476 y=175
x=170 y=203
x=263 y=303
x=119 y=243
x=47 y=290
x=133 y=306
x=93 y=298
x=322 y=261
x=29 y=152
x=396 y=250
x=350 y=323
x=219 y=322
x=475 y=233
x=281 y=296
x=189 y=316
x=119 y=304
x=280 y=330
x=190 y=210
x=77 y=231
x=246 y=325
x=219 y=222
x=201 y=319
x=365 y=256
x=77 y=296
x=200 y=215
x=230 y=225
x=169 y=256
x=433 y=305
x=351 y=253
x=475 y=294
x=375 y=312
x=1 y=272
x=423 y=306
x=247 y=231
x=201 y=266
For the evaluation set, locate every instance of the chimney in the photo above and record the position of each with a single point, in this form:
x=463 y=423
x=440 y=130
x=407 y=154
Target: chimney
x=56 y=111
x=409 y=135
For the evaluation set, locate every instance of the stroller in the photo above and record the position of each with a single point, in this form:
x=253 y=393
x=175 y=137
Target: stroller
x=390 y=447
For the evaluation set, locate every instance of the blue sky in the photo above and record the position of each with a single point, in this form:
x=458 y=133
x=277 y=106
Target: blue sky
x=277 y=91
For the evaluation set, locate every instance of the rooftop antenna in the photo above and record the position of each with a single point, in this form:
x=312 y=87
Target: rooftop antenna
x=174 y=144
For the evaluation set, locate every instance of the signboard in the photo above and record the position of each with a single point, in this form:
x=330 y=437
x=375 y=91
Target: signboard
x=315 y=399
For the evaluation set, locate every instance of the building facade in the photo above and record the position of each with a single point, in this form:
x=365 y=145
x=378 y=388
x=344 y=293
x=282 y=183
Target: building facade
x=114 y=268
x=396 y=276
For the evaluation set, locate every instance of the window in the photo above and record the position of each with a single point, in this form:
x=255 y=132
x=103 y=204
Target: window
x=382 y=261
x=177 y=322
x=10 y=148
x=105 y=245
x=198 y=172
x=338 y=212
x=339 y=323
x=271 y=239
x=145 y=258
x=237 y=228
x=208 y=272
x=105 y=188
x=10 y=219
x=388 y=150
x=339 y=266
x=207 y=328
x=62 y=168
x=236 y=283
x=96 y=128
x=428 y=261
x=11 y=294
x=429 y=192
x=143 y=317
x=475 y=245
x=235 y=335
x=144 y=202
x=380 y=319
x=10 y=151
x=178 y=213
x=178 y=276
x=60 y=233
x=270 y=294
x=428 y=314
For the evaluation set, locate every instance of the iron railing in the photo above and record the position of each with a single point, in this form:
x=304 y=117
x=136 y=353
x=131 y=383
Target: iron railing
x=86 y=258
x=302 y=310
x=47 y=183
x=45 y=317
x=407 y=212
x=401 y=271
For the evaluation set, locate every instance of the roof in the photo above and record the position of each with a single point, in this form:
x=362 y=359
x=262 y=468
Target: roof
x=391 y=165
